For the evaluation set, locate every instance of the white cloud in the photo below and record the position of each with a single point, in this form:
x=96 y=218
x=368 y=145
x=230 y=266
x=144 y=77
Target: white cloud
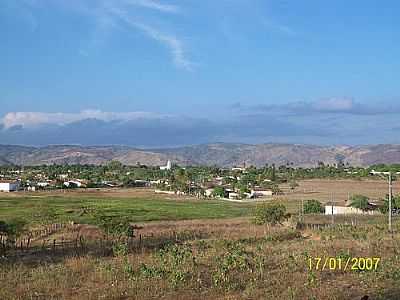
x=29 y=119
x=109 y=14
x=334 y=105
x=277 y=27
x=154 y=5
x=172 y=42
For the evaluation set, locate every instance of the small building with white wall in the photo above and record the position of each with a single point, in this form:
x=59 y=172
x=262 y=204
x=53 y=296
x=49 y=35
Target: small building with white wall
x=167 y=167
x=260 y=192
x=9 y=186
x=347 y=210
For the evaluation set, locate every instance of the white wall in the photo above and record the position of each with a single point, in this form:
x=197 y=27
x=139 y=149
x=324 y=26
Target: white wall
x=346 y=210
x=8 y=187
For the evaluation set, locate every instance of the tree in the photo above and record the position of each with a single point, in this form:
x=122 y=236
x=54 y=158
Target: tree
x=219 y=191
x=115 y=165
x=270 y=214
x=359 y=201
x=395 y=204
x=243 y=190
x=313 y=207
x=114 y=226
x=273 y=176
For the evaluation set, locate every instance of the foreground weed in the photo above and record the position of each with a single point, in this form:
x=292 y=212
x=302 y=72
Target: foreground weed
x=232 y=266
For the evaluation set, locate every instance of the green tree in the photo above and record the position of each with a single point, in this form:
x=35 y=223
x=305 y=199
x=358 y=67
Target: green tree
x=395 y=204
x=359 y=201
x=219 y=191
x=270 y=214
x=313 y=207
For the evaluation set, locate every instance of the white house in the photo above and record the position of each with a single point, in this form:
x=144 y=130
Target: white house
x=209 y=192
x=42 y=184
x=167 y=167
x=260 y=192
x=347 y=210
x=164 y=192
x=238 y=169
x=9 y=186
x=233 y=195
x=73 y=182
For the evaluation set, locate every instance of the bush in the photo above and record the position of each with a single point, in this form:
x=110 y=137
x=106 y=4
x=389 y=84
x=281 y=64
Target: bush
x=13 y=228
x=231 y=265
x=219 y=191
x=313 y=207
x=395 y=204
x=359 y=201
x=270 y=214
x=176 y=262
x=113 y=226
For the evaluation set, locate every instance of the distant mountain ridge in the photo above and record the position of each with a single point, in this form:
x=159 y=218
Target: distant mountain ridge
x=220 y=154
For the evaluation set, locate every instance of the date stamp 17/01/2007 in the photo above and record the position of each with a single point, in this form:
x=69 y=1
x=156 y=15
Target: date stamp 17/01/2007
x=343 y=264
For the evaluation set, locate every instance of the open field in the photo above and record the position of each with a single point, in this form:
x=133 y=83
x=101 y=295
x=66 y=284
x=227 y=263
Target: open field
x=196 y=249
x=138 y=205
x=324 y=190
x=144 y=205
x=208 y=259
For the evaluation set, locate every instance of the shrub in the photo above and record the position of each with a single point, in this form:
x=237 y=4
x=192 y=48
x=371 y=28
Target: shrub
x=13 y=228
x=120 y=249
x=176 y=262
x=114 y=226
x=359 y=201
x=270 y=214
x=313 y=207
x=395 y=204
x=231 y=265
x=219 y=191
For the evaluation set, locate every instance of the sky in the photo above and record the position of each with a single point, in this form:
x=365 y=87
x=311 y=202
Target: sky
x=159 y=73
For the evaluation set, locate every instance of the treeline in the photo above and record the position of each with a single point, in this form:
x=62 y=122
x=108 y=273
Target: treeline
x=182 y=176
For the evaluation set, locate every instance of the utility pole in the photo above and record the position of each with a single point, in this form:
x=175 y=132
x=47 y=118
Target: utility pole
x=390 y=201
x=333 y=218
x=390 y=196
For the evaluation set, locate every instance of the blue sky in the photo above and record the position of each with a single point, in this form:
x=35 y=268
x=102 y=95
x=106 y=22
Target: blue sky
x=255 y=71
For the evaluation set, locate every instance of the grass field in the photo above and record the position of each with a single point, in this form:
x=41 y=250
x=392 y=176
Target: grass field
x=139 y=206
x=143 y=205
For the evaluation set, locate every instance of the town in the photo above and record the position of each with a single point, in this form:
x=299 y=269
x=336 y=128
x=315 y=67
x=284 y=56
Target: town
x=240 y=183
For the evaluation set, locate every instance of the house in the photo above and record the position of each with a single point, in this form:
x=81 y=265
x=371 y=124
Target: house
x=347 y=210
x=208 y=192
x=261 y=192
x=43 y=184
x=73 y=183
x=167 y=167
x=142 y=183
x=233 y=196
x=9 y=185
x=164 y=192
x=240 y=169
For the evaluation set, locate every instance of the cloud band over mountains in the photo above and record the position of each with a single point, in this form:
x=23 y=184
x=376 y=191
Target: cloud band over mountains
x=332 y=106
x=335 y=120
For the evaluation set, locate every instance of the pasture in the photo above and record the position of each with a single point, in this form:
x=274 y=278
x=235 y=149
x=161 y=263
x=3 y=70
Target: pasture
x=137 y=205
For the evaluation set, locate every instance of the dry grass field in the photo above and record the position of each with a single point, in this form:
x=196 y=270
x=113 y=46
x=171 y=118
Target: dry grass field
x=208 y=259
x=326 y=190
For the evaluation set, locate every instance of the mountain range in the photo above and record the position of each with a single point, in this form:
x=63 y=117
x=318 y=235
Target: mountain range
x=220 y=154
